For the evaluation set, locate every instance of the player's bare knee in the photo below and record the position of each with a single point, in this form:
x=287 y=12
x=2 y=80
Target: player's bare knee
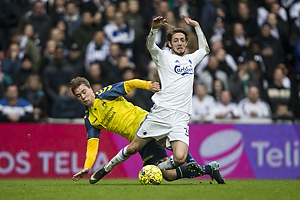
x=131 y=149
x=179 y=160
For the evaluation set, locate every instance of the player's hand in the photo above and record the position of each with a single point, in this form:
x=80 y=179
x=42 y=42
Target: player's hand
x=158 y=22
x=80 y=174
x=189 y=21
x=154 y=87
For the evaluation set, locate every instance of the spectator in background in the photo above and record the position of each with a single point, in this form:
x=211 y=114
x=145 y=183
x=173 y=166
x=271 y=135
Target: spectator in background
x=11 y=65
x=97 y=20
x=265 y=9
x=26 y=70
x=72 y=18
x=55 y=74
x=110 y=67
x=96 y=87
x=119 y=32
x=134 y=19
x=236 y=44
x=184 y=7
x=5 y=80
x=226 y=62
x=12 y=12
x=279 y=96
x=218 y=88
x=271 y=49
x=218 y=49
x=83 y=34
x=123 y=7
x=255 y=53
x=67 y=106
x=124 y=62
x=202 y=105
x=56 y=10
x=94 y=75
x=241 y=80
x=138 y=97
x=212 y=73
x=211 y=10
x=296 y=71
x=245 y=16
x=97 y=49
x=101 y=5
x=27 y=47
x=58 y=36
x=48 y=54
x=14 y=108
x=253 y=106
x=75 y=60
x=109 y=14
x=225 y=108
x=152 y=72
x=33 y=92
x=39 y=19
x=217 y=30
x=279 y=31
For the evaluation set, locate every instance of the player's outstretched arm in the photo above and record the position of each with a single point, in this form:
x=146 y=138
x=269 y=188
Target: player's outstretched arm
x=202 y=43
x=189 y=21
x=81 y=174
x=157 y=22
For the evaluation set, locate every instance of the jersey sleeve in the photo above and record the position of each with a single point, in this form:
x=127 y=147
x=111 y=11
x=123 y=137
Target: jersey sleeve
x=122 y=88
x=136 y=83
x=154 y=50
x=203 y=49
x=92 y=143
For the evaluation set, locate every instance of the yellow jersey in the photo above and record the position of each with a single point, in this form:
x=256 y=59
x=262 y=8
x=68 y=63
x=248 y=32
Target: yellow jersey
x=112 y=112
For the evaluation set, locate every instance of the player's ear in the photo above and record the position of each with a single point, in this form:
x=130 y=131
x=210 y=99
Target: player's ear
x=169 y=44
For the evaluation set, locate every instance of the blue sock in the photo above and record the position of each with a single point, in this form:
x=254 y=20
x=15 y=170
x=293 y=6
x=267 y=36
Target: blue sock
x=184 y=173
x=207 y=169
x=189 y=157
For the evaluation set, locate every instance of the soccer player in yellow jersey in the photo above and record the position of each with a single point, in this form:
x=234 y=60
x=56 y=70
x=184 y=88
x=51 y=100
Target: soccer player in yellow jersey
x=109 y=110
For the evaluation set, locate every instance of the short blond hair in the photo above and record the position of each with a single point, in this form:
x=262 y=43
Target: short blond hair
x=76 y=82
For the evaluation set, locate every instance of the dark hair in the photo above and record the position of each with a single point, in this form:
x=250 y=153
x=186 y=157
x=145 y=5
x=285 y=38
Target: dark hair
x=171 y=32
x=76 y=82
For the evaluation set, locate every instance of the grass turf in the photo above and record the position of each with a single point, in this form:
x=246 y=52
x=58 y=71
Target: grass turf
x=109 y=189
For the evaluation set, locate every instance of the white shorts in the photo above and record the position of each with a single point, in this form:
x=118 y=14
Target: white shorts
x=161 y=122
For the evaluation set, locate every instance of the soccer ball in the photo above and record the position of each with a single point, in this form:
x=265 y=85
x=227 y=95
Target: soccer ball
x=150 y=175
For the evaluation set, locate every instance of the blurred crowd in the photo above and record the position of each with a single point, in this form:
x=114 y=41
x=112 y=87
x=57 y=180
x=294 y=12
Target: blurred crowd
x=252 y=71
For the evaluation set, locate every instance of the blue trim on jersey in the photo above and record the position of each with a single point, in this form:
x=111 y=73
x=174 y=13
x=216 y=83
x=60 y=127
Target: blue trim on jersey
x=111 y=92
x=92 y=132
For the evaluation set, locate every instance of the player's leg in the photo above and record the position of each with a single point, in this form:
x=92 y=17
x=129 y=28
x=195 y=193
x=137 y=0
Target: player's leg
x=131 y=149
x=180 y=150
x=152 y=152
x=122 y=155
x=178 y=139
x=212 y=169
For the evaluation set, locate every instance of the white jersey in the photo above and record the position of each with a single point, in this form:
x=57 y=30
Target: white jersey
x=261 y=107
x=176 y=73
x=202 y=108
x=231 y=109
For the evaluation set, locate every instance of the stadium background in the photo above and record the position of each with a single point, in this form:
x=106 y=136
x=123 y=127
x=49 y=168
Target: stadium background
x=55 y=147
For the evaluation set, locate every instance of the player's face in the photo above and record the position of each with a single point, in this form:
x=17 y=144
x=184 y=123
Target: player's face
x=178 y=44
x=85 y=95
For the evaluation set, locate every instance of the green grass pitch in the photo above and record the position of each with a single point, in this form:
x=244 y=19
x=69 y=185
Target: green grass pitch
x=110 y=189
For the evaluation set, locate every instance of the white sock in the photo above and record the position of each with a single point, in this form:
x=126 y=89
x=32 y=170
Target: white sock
x=119 y=158
x=168 y=164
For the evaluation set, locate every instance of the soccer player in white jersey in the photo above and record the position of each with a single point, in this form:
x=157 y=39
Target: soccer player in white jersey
x=169 y=117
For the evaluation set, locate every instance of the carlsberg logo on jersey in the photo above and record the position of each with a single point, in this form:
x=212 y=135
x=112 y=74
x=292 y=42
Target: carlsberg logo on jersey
x=184 y=69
